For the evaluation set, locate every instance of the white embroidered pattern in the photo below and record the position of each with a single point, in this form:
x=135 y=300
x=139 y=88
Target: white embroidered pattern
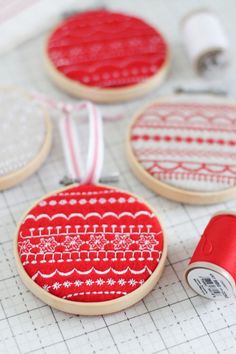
x=83 y=201
x=87 y=216
x=112 y=292
x=134 y=52
x=23 y=130
x=75 y=230
x=96 y=242
x=47 y=244
x=90 y=248
x=76 y=271
x=89 y=282
x=72 y=243
x=122 y=241
x=86 y=256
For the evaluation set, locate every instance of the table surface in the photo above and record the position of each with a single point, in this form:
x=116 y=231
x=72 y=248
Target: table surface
x=172 y=318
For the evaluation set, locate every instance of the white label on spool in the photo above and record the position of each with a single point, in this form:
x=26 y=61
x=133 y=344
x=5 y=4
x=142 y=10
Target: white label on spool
x=209 y=283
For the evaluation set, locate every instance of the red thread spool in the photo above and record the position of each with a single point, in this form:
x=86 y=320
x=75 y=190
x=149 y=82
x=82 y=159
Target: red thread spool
x=212 y=268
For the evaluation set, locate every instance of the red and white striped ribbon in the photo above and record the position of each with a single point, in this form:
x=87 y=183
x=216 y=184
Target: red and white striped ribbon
x=70 y=137
x=91 y=172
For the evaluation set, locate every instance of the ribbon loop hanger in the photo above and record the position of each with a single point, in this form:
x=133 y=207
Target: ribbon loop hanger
x=91 y=172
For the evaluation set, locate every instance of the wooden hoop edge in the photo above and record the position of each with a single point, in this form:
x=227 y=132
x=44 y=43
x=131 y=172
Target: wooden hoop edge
x=32 y=166
x=105 y=95
x=94 y=308
x=163 y=189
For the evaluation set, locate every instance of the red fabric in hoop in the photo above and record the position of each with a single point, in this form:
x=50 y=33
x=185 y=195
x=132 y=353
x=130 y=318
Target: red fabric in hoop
x=90 y=243
x=107 y=50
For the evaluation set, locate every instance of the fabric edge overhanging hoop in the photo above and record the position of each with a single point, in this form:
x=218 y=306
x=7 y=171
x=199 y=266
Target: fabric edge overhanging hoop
x=162 y=188
x=102 y=95
x=34 y=164
x=91 y=176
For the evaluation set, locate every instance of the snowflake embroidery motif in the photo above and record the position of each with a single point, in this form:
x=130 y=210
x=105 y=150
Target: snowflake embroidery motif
x=122 y=242
x=110 y=281
x=78 y=283
x=67 y=284
x=122 y=282
x=25 y=247
x=132 y=282
x=72 y=243
x=100 y=281
x=56 y=285
x=46 y=287
x=47 y=244
x=147 y=242
x=97 y=242
x=89 y=282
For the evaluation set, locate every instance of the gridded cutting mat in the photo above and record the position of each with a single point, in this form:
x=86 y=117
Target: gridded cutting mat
x=171 y=319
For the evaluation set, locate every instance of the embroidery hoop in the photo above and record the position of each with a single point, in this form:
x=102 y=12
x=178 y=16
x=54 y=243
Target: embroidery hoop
x=104 y=95
x=91 y=308
x=162 y=188
x=20 y=175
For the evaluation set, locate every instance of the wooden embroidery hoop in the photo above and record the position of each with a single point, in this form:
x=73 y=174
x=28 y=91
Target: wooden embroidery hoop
x=18 y=176
x=164 y=189
x=90 y=308
x=97 y=94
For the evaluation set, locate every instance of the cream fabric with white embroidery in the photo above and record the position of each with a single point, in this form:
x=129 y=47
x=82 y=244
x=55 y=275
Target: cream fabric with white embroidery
x=23 y=130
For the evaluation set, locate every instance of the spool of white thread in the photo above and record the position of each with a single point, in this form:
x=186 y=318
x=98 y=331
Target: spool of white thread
x=205 y=41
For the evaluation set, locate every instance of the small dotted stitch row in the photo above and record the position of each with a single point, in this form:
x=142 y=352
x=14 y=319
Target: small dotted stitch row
x=113 y=292
x=179 y=139
x=108 y=191
x=89 y=282
x=91 y=201
x=117 y=75
x=69 y=260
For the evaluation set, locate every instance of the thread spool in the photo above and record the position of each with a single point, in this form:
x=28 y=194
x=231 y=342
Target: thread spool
x=212 y=268
x=206 y=42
